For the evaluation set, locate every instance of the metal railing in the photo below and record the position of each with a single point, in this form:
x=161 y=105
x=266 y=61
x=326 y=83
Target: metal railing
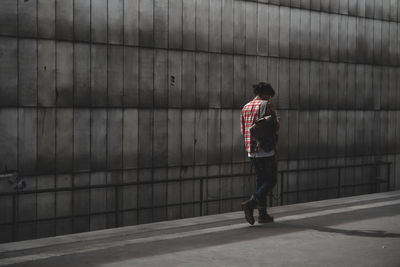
x=201 y=202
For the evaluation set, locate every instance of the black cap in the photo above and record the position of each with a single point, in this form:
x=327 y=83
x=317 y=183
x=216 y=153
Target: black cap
x=262 y=88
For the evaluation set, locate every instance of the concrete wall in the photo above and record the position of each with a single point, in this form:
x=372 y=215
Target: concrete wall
x=123 y=91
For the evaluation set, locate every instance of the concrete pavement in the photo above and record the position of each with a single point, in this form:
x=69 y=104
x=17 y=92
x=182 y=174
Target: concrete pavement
x=356 y=231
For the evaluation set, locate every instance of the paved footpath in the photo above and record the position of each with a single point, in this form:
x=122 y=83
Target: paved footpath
x=355 y=231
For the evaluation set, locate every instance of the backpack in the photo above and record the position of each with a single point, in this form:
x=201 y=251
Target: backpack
x=263 y=130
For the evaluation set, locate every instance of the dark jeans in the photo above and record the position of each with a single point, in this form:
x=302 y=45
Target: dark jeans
x=266 y=177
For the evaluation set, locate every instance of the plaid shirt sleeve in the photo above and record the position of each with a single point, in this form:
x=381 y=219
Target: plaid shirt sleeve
x=248 y=115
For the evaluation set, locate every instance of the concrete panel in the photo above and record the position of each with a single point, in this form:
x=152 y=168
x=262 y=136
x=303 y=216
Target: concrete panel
x=393 y=44
x=8 y=139
x=131 y=76
x=226 y=135
x=334 y=36
x=239 y=85
x=27 y=72
x=315 y=4
x=367 y=132
x=146 y=77
x=352 y=39
x=114 y=139
x=251 y=28
x=343 y=35
x=332 y=133
x=162 y=133
x=81 y=74
x=314 y=84
x=115 y=73
x=64 y=139
x=342 y=85
x=378 y=42
x=324 y=37
x=238 y=141
x=160 y=24
x=27 y=18
x=161 y=61
x=293 y=133
x=200 y=141
x=46 y=140
x=303 y=134
x=314 y=38
x=392 y=89
x=214 y=93
x=341 y=134
x=239 y=26
x=360 y=84
x=294 y=33
x=369 y=8
x=273 y=79
x=263 y=30
x=353 y=7
x=283 y=141
x=359 y=141
x=294 y=84
x=8 y=17
x=99 y=21
x=351 y=91
x=174 y=137
x=189 y=24
x=214 y=136
x=188 y=137
x=46 y=10
x=386 y=10
x=115 y=21
x=64 y=19
x=305 y=34
x=188 y=79
x=304 y=87
x=145 y=148
x=130 y=138
x=273 y=30
x=283 y=89
x=324 y=85
x=284 y=28
x=64 y=73
x=376 y=133
x=378 y=9
x=325 y=5
x=385 y=42
x=131 y=22
x=213 y=190
x=305 y=4
x=344 y=7
x=146 y=23
x=98 y=139
x=393 y=10
x=202 y=21
x=323 y=117
x=82 y=20
x=227 y=25
x=262 y=68
x=361 y=8
x=175 y=23
x=174 y=82
x=81 y=140
x=8 y=72
x=98 y=201
x=384 y=92
x=27 y=140
x=333 y=85
x=201 y=80
x=367 y=41
x=391 y=132
x=375 y=99
x=99 y=75
x=350 y=133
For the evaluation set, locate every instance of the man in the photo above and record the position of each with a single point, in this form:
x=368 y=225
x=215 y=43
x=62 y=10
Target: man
x=263 y=161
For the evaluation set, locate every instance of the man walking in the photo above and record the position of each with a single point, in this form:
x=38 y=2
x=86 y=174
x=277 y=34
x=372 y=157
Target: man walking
x=261 y=153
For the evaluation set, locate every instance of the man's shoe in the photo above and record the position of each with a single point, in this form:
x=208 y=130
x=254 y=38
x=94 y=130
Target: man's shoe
x=264 y=217
x=248 y=208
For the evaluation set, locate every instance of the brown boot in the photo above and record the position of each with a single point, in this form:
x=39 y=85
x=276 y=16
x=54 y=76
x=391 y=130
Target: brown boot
x=248 y=208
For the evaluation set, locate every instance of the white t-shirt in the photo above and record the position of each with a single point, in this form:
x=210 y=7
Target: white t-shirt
x=262 y=154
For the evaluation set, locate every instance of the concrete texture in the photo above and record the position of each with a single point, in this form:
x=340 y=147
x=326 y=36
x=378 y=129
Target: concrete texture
x=355 y=231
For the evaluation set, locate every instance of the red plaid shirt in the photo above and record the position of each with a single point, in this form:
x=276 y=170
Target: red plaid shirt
x=249 y=114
